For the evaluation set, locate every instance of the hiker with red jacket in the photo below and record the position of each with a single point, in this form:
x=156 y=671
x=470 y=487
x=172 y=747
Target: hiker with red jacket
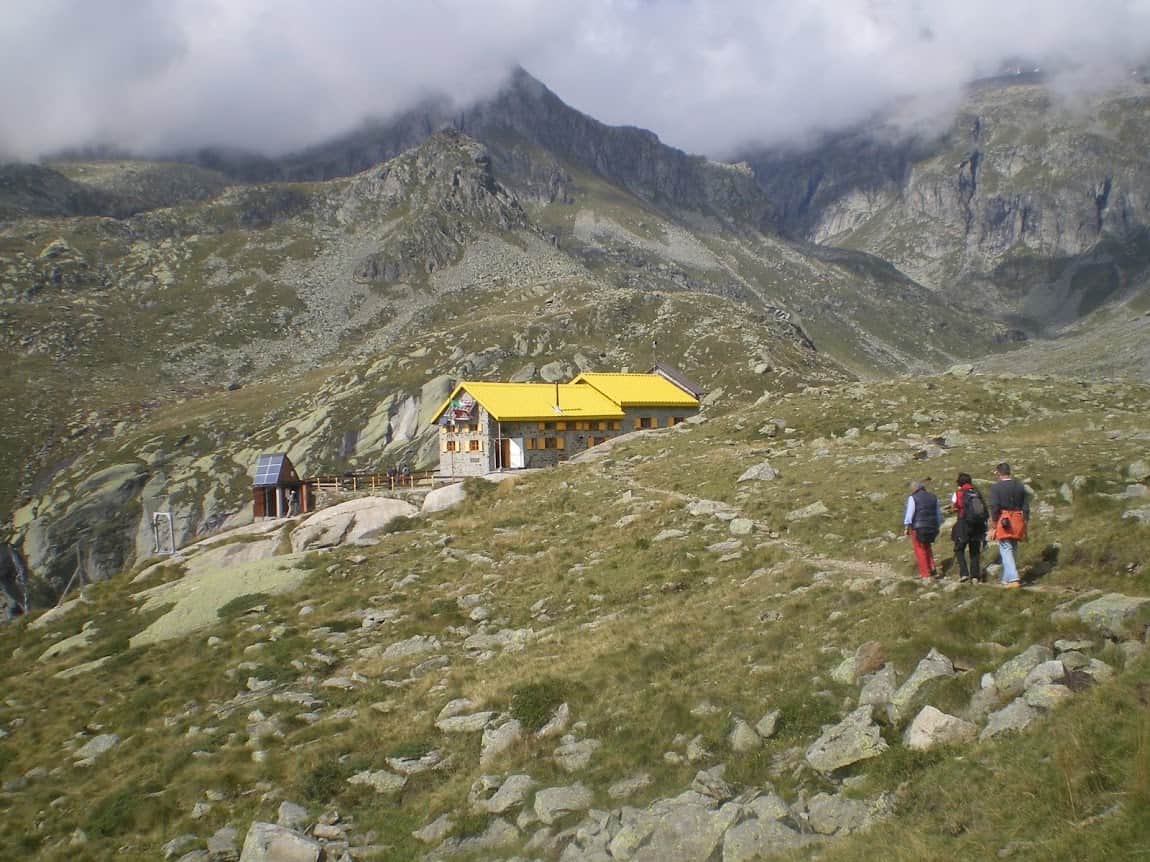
x=1009 y=514
x=969 y=530
x=921 y=521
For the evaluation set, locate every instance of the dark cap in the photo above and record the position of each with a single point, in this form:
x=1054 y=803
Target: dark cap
x=1002 y=469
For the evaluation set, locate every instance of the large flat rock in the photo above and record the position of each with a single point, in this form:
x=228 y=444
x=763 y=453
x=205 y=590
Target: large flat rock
x=348 y=522
x=196 y=599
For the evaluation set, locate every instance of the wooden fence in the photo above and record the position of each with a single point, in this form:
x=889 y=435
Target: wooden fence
x=372 y=481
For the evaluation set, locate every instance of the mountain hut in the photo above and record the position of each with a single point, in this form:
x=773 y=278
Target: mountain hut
x=488 y=427
x=277 y=490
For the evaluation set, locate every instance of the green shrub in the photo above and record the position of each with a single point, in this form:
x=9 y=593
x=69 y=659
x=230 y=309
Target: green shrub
x=325 y=781
x=116 y=813
x=534 y=703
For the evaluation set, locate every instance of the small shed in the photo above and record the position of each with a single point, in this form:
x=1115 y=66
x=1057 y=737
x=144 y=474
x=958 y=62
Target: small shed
x=277 y=489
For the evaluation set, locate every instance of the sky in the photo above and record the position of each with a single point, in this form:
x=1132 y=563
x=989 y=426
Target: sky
x=708 y=76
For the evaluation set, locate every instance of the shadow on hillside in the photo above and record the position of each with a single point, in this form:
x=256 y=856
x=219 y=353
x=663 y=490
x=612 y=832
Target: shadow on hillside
x=1035 y=572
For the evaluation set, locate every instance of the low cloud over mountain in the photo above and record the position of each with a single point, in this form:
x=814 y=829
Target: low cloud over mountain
x=156 y=75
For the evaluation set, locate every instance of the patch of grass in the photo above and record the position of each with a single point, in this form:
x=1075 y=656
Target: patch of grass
x=241 y=604
x=401 y=524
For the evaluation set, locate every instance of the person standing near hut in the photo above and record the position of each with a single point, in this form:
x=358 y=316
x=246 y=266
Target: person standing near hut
x=921 y=521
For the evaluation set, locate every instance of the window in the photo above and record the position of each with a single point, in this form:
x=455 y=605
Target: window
x=449 y=446
x=643 y=422
x=560 y=426
x=463 y=429
x=617 y=425
x=675 y=420
x=474 y=446
x=529 y=442
x=553 y=443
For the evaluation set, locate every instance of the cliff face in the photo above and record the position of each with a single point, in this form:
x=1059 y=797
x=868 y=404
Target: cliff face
x=1025 y=201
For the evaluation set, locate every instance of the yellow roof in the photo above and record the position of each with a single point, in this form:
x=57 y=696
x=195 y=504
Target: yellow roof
x=508 y=402
x=638 y=390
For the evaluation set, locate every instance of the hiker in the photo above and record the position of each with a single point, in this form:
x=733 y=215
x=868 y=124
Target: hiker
x=969 y=530
x=921 y=522
x=1009 y=517
x=293 y=503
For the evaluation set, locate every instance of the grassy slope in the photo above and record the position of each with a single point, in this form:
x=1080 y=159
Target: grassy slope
x=639 y=633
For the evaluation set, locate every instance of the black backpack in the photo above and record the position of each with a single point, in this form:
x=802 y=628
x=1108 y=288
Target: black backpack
x=974 y=513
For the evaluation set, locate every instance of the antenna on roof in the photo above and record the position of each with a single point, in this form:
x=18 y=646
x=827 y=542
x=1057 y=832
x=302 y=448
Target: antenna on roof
x=654 y=352
x=557 y=407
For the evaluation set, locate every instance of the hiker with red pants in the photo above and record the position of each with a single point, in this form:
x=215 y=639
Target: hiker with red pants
x=922 y=521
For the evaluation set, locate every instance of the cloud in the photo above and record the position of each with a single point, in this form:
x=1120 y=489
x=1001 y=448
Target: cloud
x=277 y=75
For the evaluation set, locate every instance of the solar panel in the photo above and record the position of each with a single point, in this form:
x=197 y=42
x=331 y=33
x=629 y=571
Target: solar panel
x=268 y=469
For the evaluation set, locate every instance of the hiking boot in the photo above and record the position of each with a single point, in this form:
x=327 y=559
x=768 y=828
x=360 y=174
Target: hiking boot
x=1012 y=585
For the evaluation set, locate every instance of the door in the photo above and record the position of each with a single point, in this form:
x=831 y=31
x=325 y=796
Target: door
x=515 y=460
x=504 y=454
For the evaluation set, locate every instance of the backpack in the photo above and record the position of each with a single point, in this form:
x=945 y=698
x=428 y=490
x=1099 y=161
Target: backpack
x=974 y=513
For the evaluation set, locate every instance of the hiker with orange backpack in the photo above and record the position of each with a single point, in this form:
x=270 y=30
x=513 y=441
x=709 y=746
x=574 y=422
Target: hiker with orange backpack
x=1009 y=516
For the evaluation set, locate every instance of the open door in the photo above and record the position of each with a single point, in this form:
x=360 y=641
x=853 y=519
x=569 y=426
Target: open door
x=515 y=456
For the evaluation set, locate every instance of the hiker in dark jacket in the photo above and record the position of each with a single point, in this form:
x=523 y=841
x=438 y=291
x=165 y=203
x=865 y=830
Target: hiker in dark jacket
x=921 y=521
x=969 y=530
x=1010 y=515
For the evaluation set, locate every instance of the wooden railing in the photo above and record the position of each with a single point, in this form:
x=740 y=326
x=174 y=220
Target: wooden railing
x=372 y=481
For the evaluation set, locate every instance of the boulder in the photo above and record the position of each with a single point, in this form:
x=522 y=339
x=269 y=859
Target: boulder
x=440 y=499
x=552 y=803
x=768 y=724
x=380 y=780
x=683 y=829
x=1114 y=614
x=574 y=754
x=415 y=645
x=743 y=737
x=465 y=723
x=759 y=839
x=932 y=727
x=510 y=794
x=629 y=786
x=934 y=666
x=741 y=526
x=837 y=815
x=1010 y=678
x=554 y=372
x=348 y=522
x=524 y=374
x=1044 y=674
x=1046 y=696
x=97 y=746
x=269 y=842
x=1015 y=716
x=763 y=472
x=854 y=739
x=291 y=816
x=710 y=783
x=816 y=509
x=879 y=687
x=498 y=740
